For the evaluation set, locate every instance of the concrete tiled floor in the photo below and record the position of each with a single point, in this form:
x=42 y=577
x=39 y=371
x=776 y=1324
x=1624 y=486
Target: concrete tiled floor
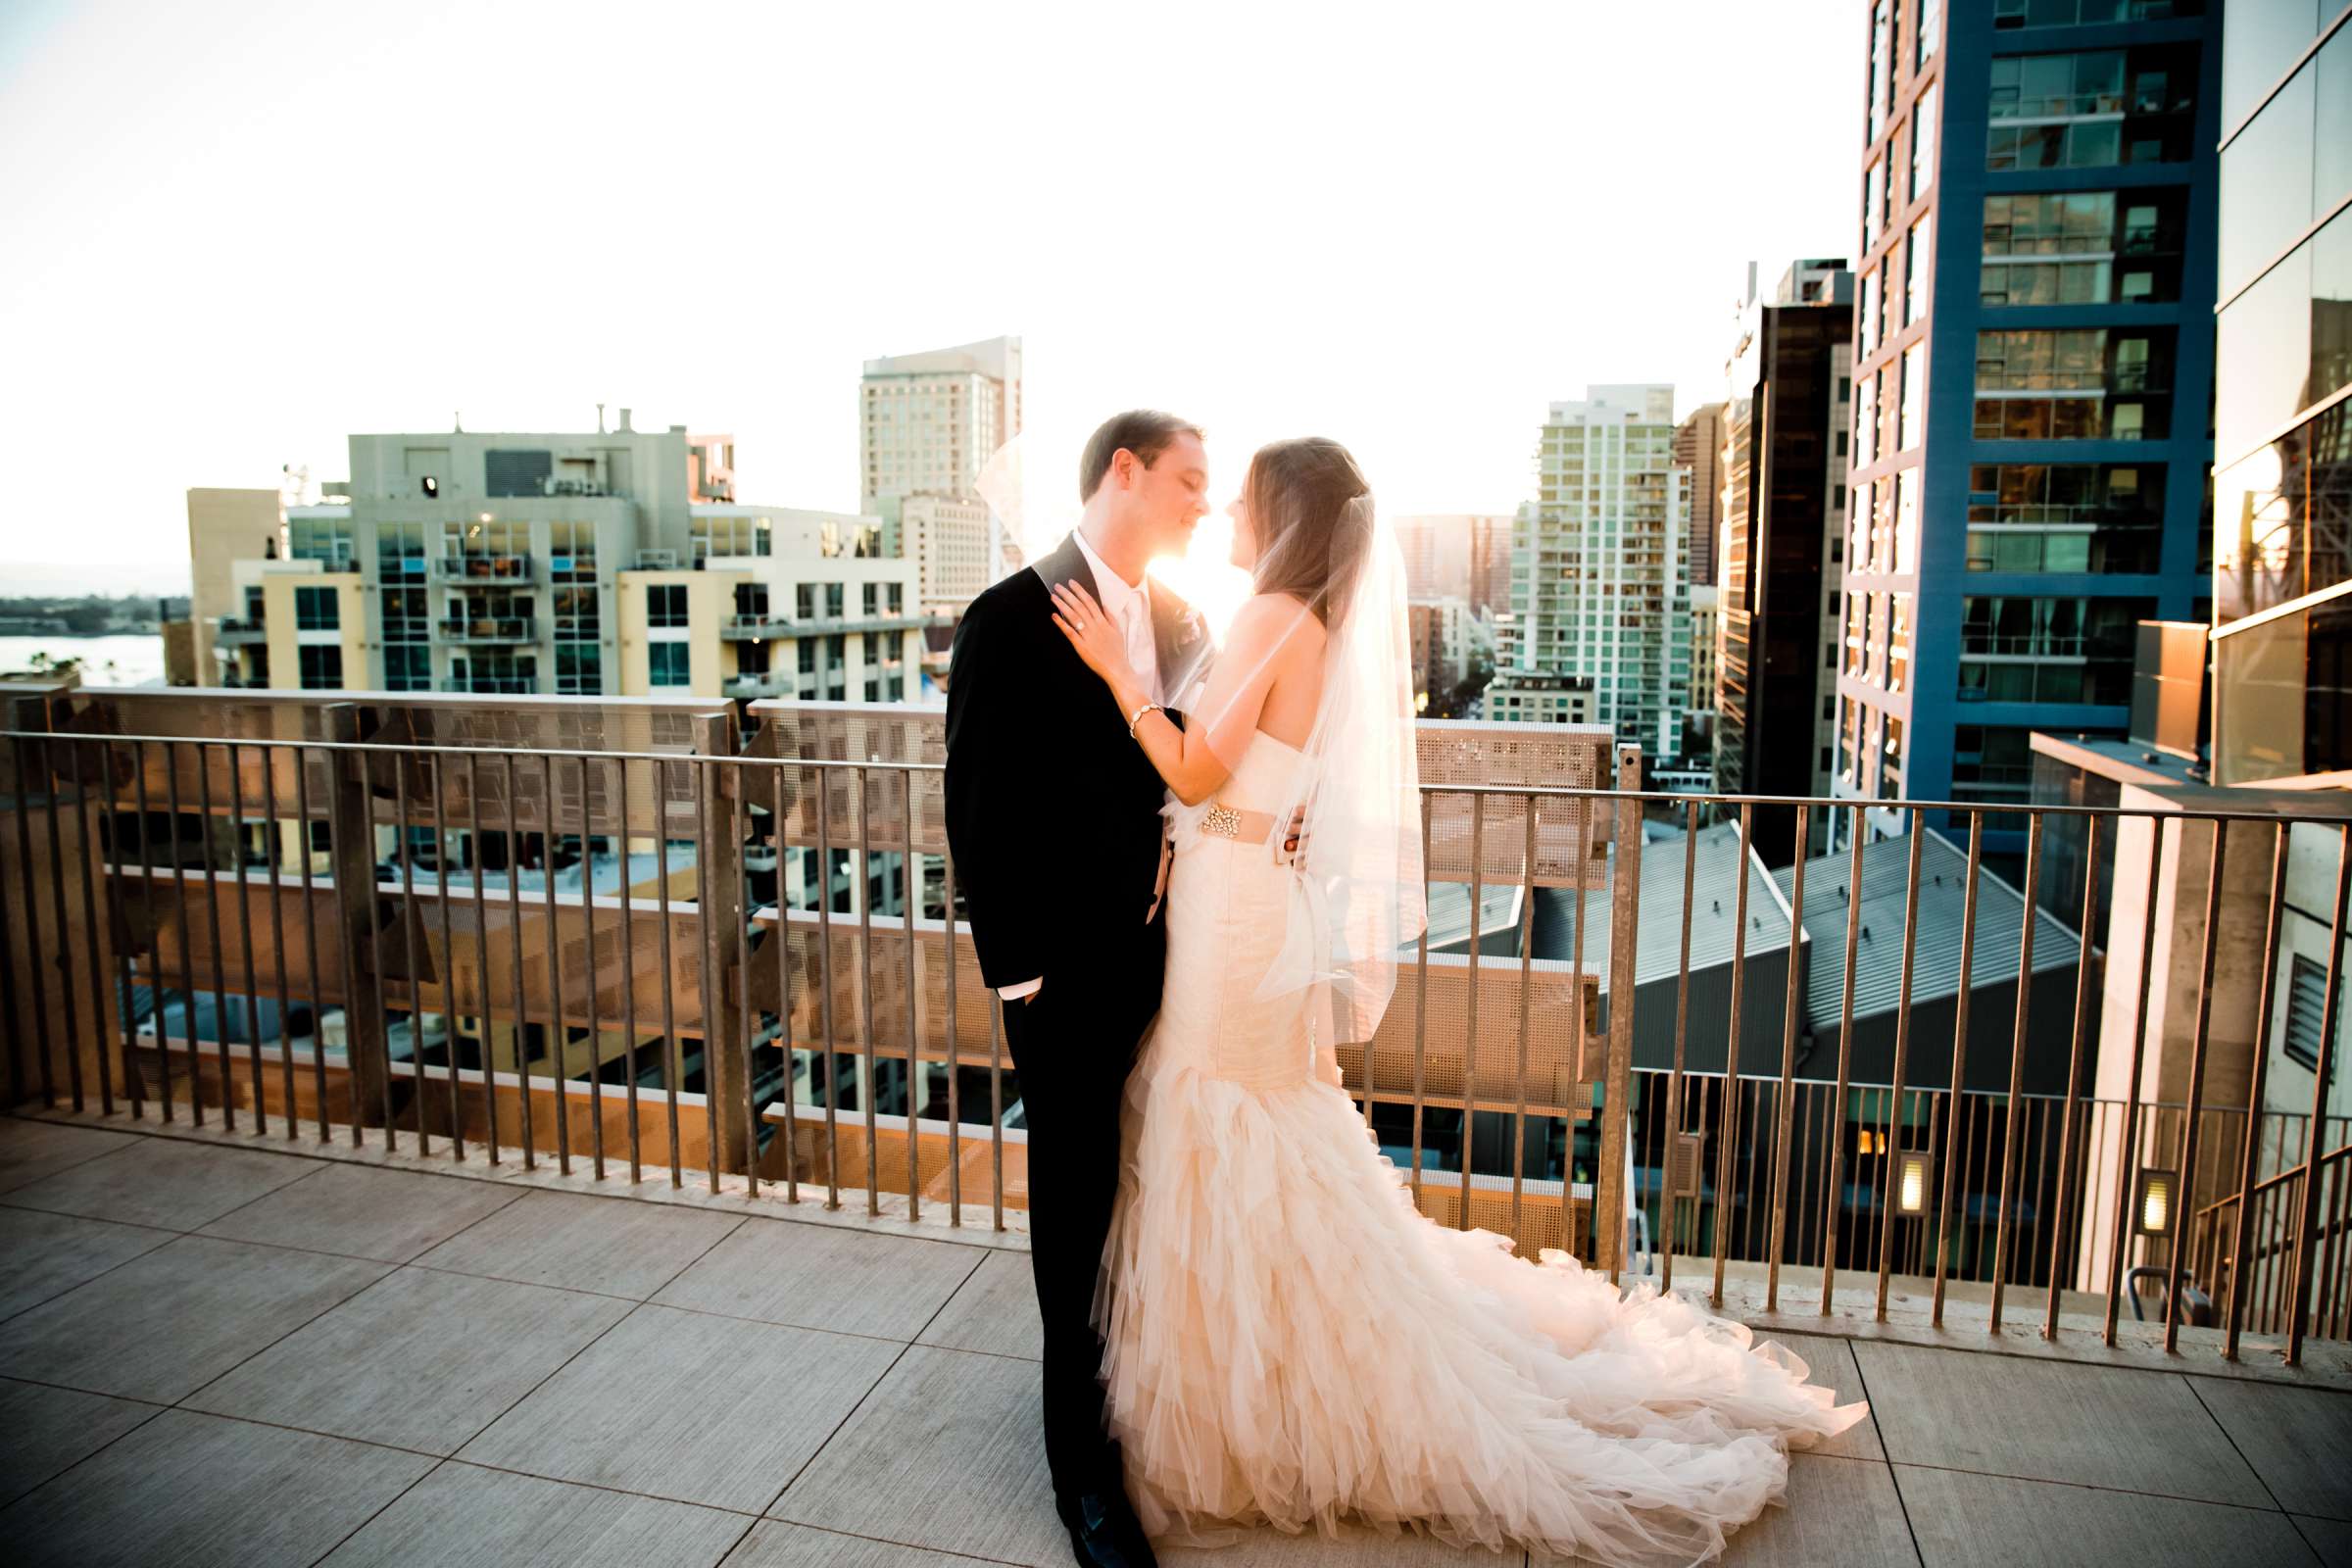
x=239 y=1355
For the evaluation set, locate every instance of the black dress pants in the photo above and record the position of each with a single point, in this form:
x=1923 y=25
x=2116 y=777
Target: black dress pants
x=1073 y=1045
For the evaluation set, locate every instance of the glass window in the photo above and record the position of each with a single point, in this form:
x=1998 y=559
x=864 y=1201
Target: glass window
x=2260 y=39
x=665 y=605
x=2263 y=355
x=1882 y=66
x=1866 y=422
x=2331 y=128
x=2265 y=184
x=2283 y=696
x=1927 y=35
x=408 y=669
x=1923 y=141
x=1874 y=201
x=1866 y=324
x=579 y=668
x=1916 y=264
x=321 y=666
x=317 y=610
x=2278 y=531
x=1905 y=542
x=667 y=664
x=1913 y=426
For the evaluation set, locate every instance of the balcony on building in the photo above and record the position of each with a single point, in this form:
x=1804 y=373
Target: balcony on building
x=486 y=629
x=241 y=631
x=484 y=568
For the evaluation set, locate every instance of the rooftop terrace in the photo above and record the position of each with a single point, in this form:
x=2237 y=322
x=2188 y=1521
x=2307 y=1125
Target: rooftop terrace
x=465 y=1221
x=216 y=1352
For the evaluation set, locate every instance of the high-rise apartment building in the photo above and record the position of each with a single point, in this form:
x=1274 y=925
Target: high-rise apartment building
x=1784 y=457
x=613 y=563
x=2282 y=419
x=1600 y=612
x=1458 y=556
x=2034 y=351
x=927 y=424
x=1698 y=446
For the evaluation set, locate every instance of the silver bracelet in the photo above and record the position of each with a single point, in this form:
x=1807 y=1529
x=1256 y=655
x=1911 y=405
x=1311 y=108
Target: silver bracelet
x=1137 y=718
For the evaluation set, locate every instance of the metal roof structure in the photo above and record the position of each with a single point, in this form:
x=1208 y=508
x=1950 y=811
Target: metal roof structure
x=1879 y=951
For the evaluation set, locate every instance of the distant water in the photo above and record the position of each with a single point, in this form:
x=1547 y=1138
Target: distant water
x=136 y=659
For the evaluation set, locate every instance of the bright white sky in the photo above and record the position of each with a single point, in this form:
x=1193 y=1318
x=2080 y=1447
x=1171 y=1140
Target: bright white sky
x=236 y=232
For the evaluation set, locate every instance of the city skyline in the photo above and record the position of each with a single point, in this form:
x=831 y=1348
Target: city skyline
x=219 y=289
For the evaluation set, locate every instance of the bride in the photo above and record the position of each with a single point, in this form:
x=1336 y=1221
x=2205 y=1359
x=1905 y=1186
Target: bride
x=1288 y=1341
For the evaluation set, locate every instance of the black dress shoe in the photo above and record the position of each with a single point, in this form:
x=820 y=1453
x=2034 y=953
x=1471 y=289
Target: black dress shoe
x=1105 y=1531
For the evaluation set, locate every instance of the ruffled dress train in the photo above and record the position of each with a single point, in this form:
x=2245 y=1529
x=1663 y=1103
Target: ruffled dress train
x=1290 y=1343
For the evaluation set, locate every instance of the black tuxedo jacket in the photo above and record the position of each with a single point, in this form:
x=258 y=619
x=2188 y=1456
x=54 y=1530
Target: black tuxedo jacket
x=1052 y=812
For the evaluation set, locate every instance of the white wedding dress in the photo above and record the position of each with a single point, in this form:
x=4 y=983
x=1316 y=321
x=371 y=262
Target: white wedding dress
x=1289 y=1342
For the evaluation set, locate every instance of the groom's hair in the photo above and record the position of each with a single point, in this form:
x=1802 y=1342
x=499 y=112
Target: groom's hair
x=1146 y=432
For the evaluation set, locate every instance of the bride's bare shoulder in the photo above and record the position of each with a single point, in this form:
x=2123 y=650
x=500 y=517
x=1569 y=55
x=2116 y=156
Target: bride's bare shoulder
x=1276 y=619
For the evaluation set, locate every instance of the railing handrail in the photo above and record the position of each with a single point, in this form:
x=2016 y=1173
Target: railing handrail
x=2291 y=1173
x=1564 y=792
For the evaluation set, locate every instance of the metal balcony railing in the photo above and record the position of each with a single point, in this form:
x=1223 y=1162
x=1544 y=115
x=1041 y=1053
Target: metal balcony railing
x=484 y=568
x=488 y=629
x=237 y=631
x=1623 y=1034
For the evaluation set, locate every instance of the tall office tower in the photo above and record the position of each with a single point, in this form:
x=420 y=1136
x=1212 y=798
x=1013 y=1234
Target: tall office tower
x=927 y=424
x=1457 y=555
x=1791 y=384
x=1698 y=446
x=2282 y=422
x=2035 y=353
x=1601 y=610
x=617 y=563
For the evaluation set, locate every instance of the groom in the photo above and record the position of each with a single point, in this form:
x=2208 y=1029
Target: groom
x=1053 y=817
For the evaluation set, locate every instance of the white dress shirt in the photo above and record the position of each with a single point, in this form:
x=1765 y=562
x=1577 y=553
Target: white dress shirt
x=1129 y=607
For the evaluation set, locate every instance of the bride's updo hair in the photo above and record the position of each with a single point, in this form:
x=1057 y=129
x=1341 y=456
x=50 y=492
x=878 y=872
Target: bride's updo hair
x=1312 y=510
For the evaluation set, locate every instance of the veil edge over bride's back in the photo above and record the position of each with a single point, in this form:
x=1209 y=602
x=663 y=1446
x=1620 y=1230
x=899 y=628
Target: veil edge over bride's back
x=1361 y=895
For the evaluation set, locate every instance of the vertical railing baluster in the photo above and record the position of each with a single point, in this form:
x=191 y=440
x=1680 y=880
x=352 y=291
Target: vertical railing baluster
x=411 y=947
x=1527 y=976
x=212 y=892
x=253 y=1016
x=1959 y=1064
x=596 y=989
x=1421 y=1014
x=714 y=866
x=95 y=863
x=37 y=1004
x=2013 y=1129
x=2128 y=1156
x=1478 y=822
x=861 y=891
x=910 y=894
x=559 y=1029
x=946 y=969
x=1835 y=1181
x=2185 y=1201
x=670 y=1065
x=12 y=1029
x=1611 y=1187
x=116 y=863
x=738 y=824
x=485 y=1020
x=1728 y=1123
x=63 y=957
x=523 y=1023
x=150 y=898
x=1668 y=1203
x=783 y=942
x=2307 y=1211
x=273 y=835
x=825 y=966
x=2060 y=1231
x=995 y=1117
x=1792 y=1007
x=445 y=900
x=631 y=1032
